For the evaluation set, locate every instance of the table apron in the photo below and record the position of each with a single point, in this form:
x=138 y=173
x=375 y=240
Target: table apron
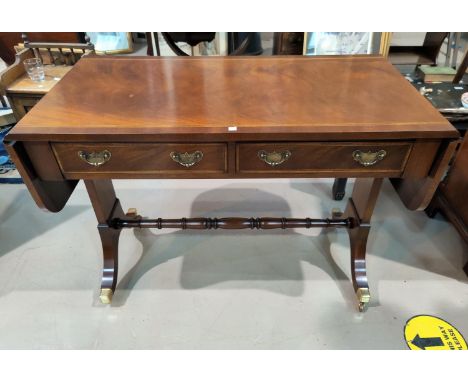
x=186 y=160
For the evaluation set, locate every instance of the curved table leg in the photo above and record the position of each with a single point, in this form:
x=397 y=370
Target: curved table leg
x=360 y=207
x=110 y=250
x=106 y=207
x=358 y=243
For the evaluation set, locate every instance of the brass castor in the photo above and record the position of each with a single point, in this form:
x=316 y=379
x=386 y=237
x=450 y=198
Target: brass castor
x=106 y=295
x=336 y=213
x=363 y=296
x=132 y=213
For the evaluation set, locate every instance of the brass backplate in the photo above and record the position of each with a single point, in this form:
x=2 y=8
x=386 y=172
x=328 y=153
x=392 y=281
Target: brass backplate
x=95 y=159
x=369 y=158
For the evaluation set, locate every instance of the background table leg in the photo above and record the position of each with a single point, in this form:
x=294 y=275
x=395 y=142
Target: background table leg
x=338 y=189
x=106 y=207
x=360 y=207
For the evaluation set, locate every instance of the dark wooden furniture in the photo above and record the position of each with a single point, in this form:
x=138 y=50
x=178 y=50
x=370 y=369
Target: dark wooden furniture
x=450 y=197
x=285 y=43
x=461 y=71
x=232 y=117
x=21 y=91
x=149 y=40
x=418 y=55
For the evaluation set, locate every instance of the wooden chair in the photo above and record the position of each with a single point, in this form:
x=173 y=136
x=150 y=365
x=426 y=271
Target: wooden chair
x=58 y=53
x=418 y=55
x=58 y=58
x=8 y=41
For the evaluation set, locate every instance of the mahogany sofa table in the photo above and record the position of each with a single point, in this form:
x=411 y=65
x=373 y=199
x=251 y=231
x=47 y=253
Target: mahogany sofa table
x=232 y=117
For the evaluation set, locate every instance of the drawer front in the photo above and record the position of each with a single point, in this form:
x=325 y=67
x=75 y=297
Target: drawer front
x=132 y=159
x=329 y=159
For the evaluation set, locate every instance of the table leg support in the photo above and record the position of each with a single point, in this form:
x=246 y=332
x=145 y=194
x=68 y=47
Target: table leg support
x=106 y=207
x=356 y=218
x=359 y=209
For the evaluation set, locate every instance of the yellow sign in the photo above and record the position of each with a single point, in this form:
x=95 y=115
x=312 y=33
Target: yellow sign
x=432 y=333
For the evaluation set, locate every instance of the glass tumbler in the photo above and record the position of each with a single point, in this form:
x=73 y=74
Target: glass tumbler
x=35 y=69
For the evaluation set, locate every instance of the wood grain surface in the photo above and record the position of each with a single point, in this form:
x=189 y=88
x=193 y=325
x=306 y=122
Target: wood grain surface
x=141 y=159
x=276 y=98
x=322 y=157
x=455 y=187
x=53 y=74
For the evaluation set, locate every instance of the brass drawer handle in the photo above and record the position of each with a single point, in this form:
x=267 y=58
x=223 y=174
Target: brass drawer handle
x=95 y=159
x=369 y=158
x=274 y=158
x=187 y=159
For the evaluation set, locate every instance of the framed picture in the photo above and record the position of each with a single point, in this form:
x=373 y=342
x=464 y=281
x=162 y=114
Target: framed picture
x=331 y=43
x=111 y=42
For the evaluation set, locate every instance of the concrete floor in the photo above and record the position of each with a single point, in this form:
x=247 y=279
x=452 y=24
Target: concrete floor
x=222 y=289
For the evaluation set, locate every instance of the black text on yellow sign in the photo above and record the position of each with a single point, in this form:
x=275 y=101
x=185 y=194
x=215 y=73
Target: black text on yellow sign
x=432 y=333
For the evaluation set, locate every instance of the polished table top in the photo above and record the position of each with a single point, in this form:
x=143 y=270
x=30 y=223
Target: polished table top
x=334 y=97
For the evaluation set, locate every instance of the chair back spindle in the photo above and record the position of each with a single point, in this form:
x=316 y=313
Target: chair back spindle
x=61 y=53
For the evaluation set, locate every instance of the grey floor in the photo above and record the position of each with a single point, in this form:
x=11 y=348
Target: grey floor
x=222 y=289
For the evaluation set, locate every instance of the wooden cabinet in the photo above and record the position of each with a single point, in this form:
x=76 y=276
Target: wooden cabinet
x=24 y=93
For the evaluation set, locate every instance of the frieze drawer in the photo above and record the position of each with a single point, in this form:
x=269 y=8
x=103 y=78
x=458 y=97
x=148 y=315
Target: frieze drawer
x=352 y=159
x=128 y=160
